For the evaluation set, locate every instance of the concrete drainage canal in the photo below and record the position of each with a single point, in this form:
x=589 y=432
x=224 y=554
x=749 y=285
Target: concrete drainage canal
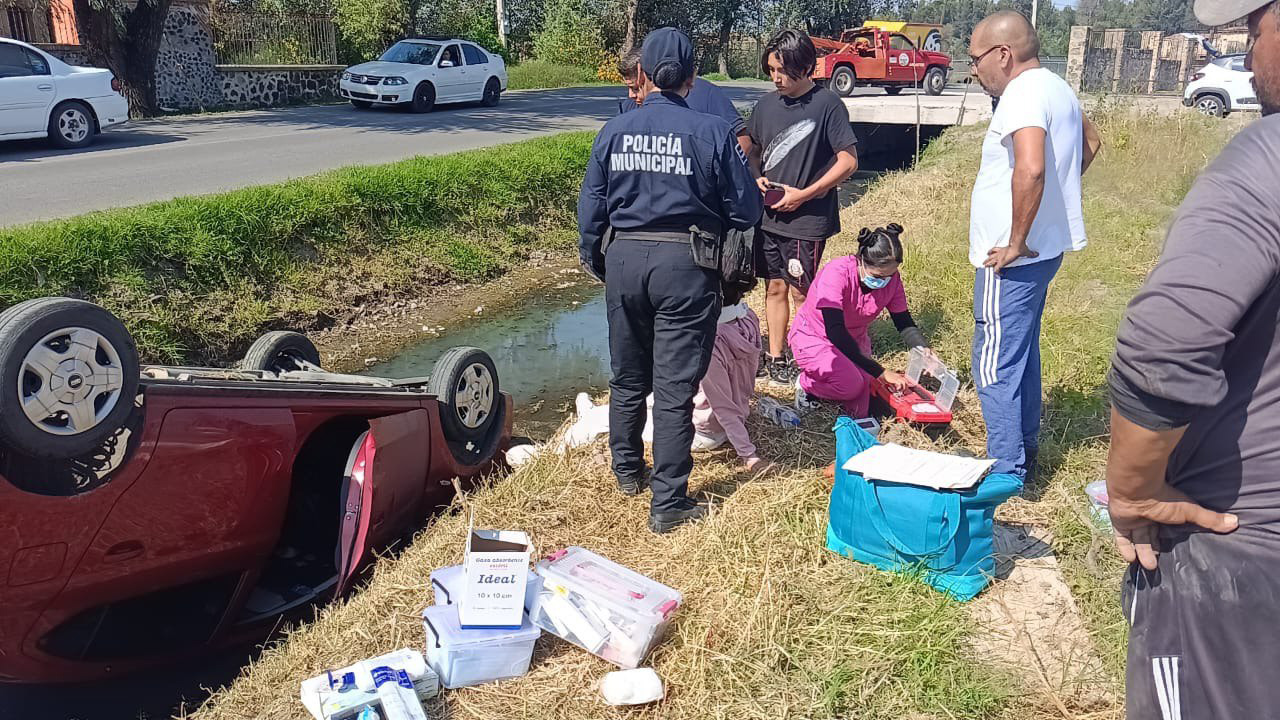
x=551 y=346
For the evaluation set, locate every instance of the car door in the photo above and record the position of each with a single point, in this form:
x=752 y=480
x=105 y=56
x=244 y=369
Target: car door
x=26 y=90
x=451 y=75
x=1239 y=83
x=384 y=487
x=478 y=71
x=904 y=61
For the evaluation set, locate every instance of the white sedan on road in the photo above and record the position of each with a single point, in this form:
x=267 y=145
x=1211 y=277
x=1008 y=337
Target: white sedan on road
x=41 y=96
x=420 y=72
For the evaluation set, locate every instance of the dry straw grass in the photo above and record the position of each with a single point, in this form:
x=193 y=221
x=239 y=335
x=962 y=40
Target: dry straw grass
x=773 y=626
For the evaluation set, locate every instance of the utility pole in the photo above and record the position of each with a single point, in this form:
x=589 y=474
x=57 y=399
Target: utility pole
x=1035 y=10
x=500 y=9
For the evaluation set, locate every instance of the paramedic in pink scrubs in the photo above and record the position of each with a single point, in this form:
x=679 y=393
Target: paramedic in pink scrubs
x=829 y=336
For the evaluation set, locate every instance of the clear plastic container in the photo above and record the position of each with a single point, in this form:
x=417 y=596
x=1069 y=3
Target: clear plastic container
x=606 y=609
x=920 y=362
x=470 y=657
x=448 y=582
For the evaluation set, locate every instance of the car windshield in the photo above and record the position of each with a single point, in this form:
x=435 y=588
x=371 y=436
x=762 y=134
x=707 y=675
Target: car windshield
x=411 y=52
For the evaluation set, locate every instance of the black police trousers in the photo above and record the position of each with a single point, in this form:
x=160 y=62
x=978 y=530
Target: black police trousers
x=662 y=325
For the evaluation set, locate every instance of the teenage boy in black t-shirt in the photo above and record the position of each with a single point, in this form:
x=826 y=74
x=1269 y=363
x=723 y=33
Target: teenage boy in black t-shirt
x=802 y=145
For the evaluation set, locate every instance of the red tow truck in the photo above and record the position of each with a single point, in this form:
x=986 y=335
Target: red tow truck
x=882 y=55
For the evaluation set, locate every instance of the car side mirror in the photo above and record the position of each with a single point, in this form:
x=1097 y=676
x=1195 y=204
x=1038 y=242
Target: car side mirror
x=446 y=63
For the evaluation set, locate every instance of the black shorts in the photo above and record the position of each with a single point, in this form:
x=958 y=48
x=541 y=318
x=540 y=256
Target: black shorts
x=775 y=253
x=1202 y=628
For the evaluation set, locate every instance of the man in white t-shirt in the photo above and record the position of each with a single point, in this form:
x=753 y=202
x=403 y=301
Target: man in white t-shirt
x=1025 y=215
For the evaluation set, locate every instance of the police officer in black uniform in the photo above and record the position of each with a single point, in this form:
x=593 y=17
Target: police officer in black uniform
x=655 y=173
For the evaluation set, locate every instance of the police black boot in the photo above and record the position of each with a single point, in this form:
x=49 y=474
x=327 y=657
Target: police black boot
x=633 y=484
x=665 y=522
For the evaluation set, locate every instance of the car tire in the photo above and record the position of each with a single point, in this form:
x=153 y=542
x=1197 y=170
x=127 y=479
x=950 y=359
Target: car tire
x=1211 y=105
x=492 y=93
x=465 y=382
x=71 y=125
x=935 y=81
x=280 y=351
x=361 y=104
x=51 y=349
x=424 y=98
x=843 y=81
x=893 y=89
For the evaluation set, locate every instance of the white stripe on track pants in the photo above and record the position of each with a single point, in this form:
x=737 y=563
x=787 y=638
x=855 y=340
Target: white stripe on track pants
x=1007 y=308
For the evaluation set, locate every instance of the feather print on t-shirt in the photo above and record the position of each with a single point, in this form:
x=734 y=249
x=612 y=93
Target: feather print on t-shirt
x=785 y=142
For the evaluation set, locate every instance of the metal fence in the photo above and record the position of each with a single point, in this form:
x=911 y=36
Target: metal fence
x=274 y=39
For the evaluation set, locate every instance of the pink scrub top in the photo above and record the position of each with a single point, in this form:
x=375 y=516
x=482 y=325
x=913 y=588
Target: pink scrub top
x=837 y=286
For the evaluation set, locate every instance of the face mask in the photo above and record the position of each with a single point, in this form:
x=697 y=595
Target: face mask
x=875 y=283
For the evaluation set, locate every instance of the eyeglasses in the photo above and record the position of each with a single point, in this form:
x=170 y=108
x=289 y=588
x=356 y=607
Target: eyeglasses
x=973 y=61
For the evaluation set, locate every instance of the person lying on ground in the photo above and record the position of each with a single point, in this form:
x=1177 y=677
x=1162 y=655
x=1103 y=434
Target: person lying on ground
x=829 y=336
x=723 y=401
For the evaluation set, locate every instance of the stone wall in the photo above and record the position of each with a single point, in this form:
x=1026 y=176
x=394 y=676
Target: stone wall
x=69 y=54
x=189 y=78
x=272 y=86
x=1129 y=62
x=186 y=69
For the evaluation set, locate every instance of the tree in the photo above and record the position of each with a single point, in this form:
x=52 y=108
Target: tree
x=368 y=27
x=125 y=40
x=571 y=34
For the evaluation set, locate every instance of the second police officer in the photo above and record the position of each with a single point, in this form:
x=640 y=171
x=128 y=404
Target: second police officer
x=655 y=173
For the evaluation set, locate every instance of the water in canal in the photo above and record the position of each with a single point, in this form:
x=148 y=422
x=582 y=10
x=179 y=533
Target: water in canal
x=546 y=350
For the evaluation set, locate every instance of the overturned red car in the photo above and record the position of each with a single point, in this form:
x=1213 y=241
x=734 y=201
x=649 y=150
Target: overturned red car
x=152 y=513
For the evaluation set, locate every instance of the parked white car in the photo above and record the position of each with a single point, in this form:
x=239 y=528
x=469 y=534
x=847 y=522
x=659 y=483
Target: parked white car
x=1221 y=87
x=420 y=72
x=41 y=96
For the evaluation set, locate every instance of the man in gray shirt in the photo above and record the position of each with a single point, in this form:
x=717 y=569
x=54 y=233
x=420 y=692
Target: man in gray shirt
x=1194 y=470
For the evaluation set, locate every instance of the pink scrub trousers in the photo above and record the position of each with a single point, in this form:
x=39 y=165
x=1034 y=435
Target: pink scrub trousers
x=825 y=372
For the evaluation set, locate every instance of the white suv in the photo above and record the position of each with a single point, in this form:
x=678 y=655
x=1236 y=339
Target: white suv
x=1221 y=87
x=41 y=96
x=421 y=72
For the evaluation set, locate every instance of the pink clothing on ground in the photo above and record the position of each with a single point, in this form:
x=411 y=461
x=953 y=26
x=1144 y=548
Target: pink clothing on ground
x=724 y=397
x=825 y=371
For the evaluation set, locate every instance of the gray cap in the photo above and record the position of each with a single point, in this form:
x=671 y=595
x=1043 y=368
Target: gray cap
x=1220 y=12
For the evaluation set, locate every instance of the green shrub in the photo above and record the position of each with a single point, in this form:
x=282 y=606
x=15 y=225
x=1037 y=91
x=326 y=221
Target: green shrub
x=197 y=278
x=368 y=27
x=570 y=35
x=716 y=77
x=536 y=74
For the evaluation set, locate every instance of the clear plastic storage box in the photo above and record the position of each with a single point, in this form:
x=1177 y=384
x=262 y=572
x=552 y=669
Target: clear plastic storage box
x=470 y=657
x=602 y=607
x=447 y=585
x=920 y=362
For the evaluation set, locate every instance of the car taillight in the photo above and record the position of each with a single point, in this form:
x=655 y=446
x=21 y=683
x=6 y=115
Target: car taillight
x=1197 y=76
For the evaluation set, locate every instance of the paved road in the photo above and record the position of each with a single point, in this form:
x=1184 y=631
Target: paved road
x=194 y=155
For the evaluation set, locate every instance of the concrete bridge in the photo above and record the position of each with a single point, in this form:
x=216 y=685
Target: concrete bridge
x=957 y=105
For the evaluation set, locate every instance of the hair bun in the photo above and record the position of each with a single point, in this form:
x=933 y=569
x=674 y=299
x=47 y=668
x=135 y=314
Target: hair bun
x=894 y=228
x=866 y=238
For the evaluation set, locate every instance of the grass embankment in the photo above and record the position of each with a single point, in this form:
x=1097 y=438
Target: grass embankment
x=773 y=626
x=196 y=279
x=539 y=75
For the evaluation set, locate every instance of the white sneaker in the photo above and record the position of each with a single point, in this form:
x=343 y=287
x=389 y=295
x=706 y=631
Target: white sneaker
x=804 y=404
x=707 y=443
